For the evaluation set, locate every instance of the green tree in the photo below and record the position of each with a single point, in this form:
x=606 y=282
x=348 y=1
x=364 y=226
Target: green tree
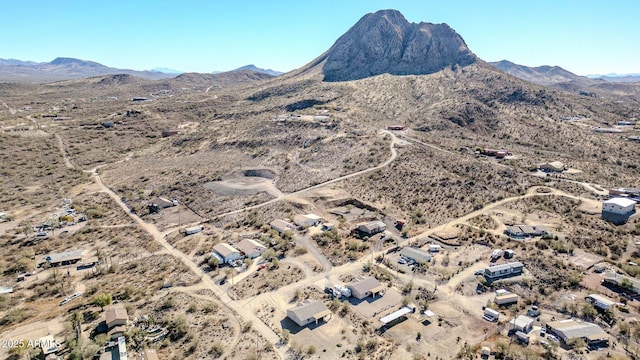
x=102 y=300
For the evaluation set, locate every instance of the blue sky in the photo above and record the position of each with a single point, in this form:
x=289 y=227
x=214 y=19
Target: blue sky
x=582 y=36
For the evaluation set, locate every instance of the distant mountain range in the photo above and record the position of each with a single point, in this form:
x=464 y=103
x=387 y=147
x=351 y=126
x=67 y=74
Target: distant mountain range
x=550 y=75
x=260 y=70
x=63 y=68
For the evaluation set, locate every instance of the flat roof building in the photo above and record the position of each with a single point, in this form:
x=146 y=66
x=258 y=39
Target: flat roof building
x=617 y=210
x=281 y=226
x=65 y=258
x=497 y=272
x=522 y=323
x=601 y=302
x=570 y=330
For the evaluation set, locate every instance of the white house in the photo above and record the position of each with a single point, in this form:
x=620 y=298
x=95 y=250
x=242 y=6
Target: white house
x=522 y=323
x=227 y=252
x=617 y=210
x=251 y=248
x=600 y=301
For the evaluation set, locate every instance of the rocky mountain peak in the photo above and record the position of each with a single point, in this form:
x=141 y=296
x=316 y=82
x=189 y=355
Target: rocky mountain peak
x=385 y=42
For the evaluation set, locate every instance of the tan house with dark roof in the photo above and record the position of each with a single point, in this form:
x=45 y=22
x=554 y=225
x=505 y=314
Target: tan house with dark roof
x=309 y=311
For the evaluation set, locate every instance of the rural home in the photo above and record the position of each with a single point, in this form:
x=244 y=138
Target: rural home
x=307 y=220
x=65 y=258
x=497 y=272
x=158 y=204
x=116 y=319
x=227 y=252
x=600 y=302
x=522 y=323
x=506 y=299
x=434 y=248
x=490 y=314
x=281 y=226
x=571 y=330
x=417 y=255
x=251 y=248
x=309 y=311
x=554 y=166
x=618 y=210
x=363 y=287
x=371 y=228
x=622 y=282
x=193 y=230
x=525 y=230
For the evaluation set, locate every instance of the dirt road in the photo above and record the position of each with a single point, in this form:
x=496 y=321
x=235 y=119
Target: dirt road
x=246 y=314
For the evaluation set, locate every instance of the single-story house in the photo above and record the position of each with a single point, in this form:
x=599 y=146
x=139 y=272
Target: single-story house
x=116 y=315
x=281 y=226
x=554 y=166
x=158 y=204
x=307 y=220
x=65 y=258
x=251 y=248
x=418 y=255
x=621 y=281
x=193 y=230
x=227 y=252
x=525 y=230
x=371 y=228
x=309 y=311
x=363 y=287
x=601 y=302
x=506 y=299
x=522 y=323
x=496 y=272
x=618 y=210
x=569 y=330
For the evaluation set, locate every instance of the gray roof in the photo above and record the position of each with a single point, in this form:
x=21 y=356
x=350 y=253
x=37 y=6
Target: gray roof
x=572 y=329
x=506 y=266
x=65 y=256
x=415 y=254
x=522 y=321
x=308 y=309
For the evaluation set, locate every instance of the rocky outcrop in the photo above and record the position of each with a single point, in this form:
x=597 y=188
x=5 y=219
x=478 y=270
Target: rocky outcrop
x=385 y=42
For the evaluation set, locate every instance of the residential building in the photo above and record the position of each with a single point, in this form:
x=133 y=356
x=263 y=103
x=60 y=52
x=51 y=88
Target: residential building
x=571 y=330
x=623 y=282
x=490 y=314
x=522 y=323
x=618 y=210
x=65 y=258
x=525 y=230
x=371 y=228
x=281 y=226
x=417 y=255
x=554 y=166
x=307 y=220
x=434 y=248
x=497 y=272
x=309 y=311
x=250 y=248
x=506 y=299
x=227 y=252
x=116 y=315
x=193 y=230
x=363 y=287
x=158 y=204
x=600 y=301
